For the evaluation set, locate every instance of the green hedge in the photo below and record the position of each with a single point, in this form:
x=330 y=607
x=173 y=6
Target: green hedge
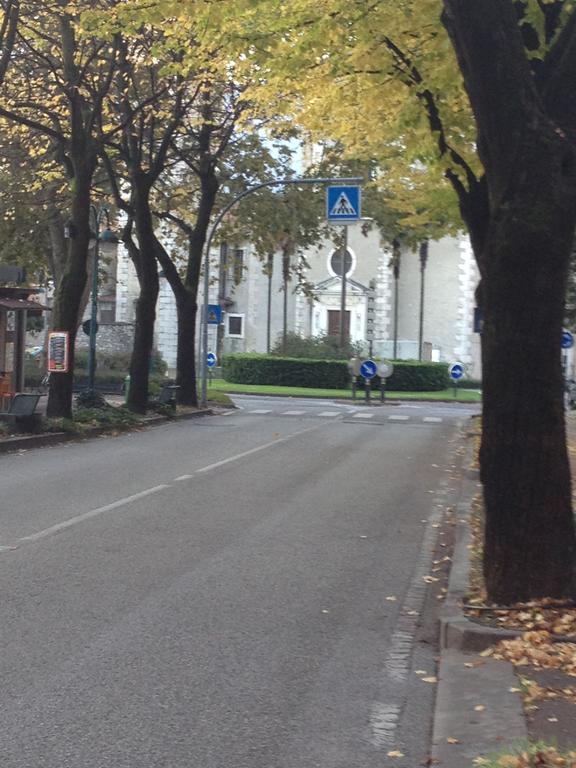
x=408 y=376
x=285 y=371
x=413 y=376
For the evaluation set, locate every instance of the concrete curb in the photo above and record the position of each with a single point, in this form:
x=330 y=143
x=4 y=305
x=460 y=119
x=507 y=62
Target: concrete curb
x=27 y=442
x=476 y=711
x=456 y=631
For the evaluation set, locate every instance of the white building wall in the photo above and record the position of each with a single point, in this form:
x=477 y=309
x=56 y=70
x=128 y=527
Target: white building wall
x=450 y=280
x=166 y=328
x=127 y=288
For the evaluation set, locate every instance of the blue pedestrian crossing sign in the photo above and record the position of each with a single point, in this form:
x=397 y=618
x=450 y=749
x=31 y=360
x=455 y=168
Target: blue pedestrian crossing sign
x=343 y=204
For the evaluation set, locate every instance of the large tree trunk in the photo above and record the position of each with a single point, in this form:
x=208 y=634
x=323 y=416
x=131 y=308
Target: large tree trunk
x=186 y=308
x=186 y=291
x=69 y=291
x=185 y=297
x=529 y=546
x=147 y=270
x=522 y=244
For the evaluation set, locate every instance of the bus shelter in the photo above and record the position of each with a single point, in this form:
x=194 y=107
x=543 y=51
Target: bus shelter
x=15 y=306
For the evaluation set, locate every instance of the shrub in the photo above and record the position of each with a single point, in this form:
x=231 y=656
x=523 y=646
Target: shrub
x=322 y=347
x=414 y=376
x=285 y=372
x=470 y=383
x=117 y=361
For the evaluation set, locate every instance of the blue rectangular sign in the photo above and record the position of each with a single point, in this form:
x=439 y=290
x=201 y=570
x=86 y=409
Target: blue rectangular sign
x=343 y=204
x=213 y=314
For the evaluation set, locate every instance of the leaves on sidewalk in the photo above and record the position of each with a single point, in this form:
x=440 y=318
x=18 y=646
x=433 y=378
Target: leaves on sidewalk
x=536 y=649
x=535 y=756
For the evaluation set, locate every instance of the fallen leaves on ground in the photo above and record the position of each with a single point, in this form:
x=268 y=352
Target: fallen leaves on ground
x=536 y=756
x=533 y=692
x=536 y=649
x=547 y=615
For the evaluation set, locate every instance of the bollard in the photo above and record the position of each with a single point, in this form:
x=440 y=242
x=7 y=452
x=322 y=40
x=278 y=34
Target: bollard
x=367 y=390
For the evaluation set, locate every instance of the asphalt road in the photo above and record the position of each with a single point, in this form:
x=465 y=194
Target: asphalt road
x=239 y=591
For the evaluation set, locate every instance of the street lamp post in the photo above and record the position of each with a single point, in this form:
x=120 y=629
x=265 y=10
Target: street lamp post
x=423 y=261
x=223 y=212
x=98 y=214
x=396 y=268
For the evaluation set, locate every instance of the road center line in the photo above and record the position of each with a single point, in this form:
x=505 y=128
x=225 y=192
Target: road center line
x=92 y=513
x=50 y=531
x=257 y=449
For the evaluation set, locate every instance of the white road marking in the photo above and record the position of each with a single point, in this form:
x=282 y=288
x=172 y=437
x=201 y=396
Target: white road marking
x=432 y=419
x=292 y=413
x=44 y=533
x=398 y=417
x=93 y=513
x=255 y=450
x=261 y=411
x=383 y=724
x=329 y=413
x=229 y=413
x=363 y=415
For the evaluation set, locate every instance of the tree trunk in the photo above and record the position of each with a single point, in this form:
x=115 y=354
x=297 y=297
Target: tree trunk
x=147 y=270
x=69 y=291
x=522 y=226
x=186 y=291
x=529 y=547
x=137 y=400
x=186 y=308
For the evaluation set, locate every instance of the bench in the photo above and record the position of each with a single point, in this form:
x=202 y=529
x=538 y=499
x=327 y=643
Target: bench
x=22 y=409
x=167 y=396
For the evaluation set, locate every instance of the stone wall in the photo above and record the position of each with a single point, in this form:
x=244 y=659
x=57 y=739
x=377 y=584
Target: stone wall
x=112 y=338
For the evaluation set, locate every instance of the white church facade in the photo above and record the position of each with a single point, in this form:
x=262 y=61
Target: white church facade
x=417 y=310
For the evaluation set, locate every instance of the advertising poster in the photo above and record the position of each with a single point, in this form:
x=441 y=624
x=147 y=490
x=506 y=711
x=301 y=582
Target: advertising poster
x=58 y=352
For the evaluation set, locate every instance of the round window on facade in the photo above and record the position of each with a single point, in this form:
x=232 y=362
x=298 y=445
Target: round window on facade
x=335 y=263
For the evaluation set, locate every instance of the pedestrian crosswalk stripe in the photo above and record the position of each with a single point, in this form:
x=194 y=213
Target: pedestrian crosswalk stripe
x=398 y=417
x=432 y=419
x=261 y=411
x=363 y=415
x=329 y=413
x=292 y=413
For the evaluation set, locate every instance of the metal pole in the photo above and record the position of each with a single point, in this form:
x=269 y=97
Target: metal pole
x=269 y=304
x=206 y=291
x=94 y=305
x=343 y=294
x=396 y=267
x=423 y=260
x=98 y=213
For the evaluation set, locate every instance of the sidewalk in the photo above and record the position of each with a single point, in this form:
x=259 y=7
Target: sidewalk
x=21 y=442
x=479 y=704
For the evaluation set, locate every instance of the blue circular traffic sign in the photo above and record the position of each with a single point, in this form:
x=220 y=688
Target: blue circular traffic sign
x=456 y=371
x=567 y=340
x=368 y=369
x=211 y=360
